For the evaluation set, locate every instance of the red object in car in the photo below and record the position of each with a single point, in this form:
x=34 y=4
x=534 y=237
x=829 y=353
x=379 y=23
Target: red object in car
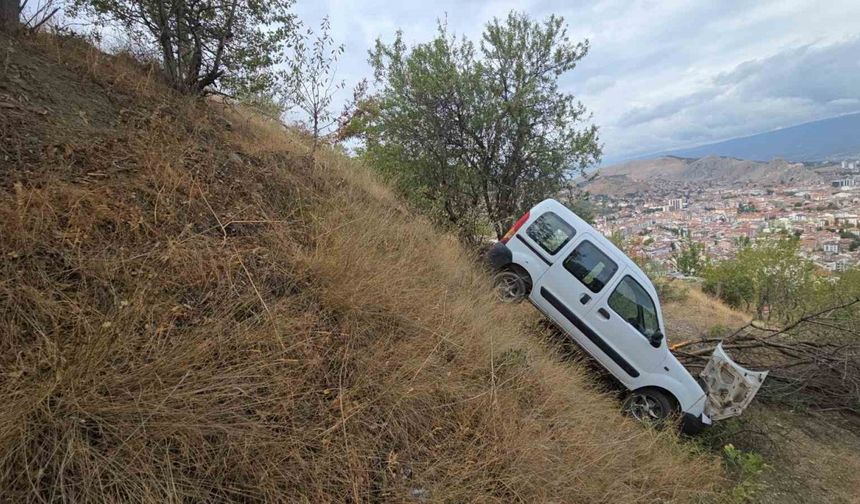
x=516 y=227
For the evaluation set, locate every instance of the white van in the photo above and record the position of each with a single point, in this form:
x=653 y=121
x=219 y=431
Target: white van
x=602 y=300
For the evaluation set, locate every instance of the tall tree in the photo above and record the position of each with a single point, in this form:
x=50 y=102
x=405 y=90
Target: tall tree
x=234 y=44
x=310 y=79
x=478 y=134
x=691 y=259
x=9 y=14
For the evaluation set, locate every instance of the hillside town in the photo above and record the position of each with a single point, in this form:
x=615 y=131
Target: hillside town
x=824 y=216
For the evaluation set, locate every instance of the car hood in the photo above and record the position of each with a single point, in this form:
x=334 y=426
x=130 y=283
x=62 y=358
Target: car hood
x=729 y=388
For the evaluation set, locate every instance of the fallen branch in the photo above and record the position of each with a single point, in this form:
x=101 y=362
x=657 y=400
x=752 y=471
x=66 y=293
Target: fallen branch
x=813 y=361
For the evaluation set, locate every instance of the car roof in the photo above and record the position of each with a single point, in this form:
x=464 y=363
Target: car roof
x=568 y=215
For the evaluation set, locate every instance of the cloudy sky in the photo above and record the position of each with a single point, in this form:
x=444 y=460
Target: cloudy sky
x=660 y=74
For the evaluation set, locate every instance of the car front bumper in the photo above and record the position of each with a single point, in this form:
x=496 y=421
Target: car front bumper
x=692 y=424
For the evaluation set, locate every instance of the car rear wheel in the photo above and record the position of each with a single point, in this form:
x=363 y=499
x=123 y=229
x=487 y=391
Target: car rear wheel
x=511 y=286
x=648 y=406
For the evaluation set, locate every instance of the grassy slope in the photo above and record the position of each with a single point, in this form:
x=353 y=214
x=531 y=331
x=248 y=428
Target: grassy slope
x=190 y=310
x=696 y=314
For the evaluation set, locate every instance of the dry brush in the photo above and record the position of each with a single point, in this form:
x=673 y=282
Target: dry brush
x=189 y=311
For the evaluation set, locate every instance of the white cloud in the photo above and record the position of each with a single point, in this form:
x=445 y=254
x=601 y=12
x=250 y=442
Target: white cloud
x=660 y=74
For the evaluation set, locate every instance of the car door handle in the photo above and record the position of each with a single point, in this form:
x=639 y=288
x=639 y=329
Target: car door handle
x=603 y=313
x=585 y=298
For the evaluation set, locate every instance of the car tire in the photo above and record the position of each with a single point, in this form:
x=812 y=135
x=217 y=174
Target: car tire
x=511 y=286
x=649 y=406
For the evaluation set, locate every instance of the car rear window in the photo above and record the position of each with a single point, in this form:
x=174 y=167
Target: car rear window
x=590 y=266
x=551 y=232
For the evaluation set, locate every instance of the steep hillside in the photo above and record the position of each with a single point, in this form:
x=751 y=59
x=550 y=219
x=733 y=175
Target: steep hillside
x=828 y=139
x=191 y=310
x=650 y=174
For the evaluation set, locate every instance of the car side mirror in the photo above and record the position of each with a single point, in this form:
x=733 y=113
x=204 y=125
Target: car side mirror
x=656 y=339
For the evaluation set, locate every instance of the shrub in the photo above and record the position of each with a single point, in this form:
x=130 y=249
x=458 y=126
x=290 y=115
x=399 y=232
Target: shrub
x=766 y=276
x=748 y=467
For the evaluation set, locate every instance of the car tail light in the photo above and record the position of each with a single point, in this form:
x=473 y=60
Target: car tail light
x=516 y=227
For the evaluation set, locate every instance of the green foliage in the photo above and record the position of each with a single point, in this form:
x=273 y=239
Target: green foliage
x=617 y=239
x=233 y=45
x=717 y=331
x=669 y=290
x=748 y=207
x=583 y=207
x=691 y=259
x=474 y=135
x=850 y=235
x=748 y=467
x=768 y=274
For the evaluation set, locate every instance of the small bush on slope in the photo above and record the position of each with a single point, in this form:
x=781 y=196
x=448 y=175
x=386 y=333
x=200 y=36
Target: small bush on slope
x=188 y=312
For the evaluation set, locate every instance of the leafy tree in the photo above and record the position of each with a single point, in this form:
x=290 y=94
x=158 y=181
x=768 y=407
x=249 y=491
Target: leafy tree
x=768 y=274
x=233 y=44
x=617 y=239
x=691 y=258
x=580 y=203
x=310 y=80
x=743 y=241
x=748 y=207
x=475 y=135
x=725 y=281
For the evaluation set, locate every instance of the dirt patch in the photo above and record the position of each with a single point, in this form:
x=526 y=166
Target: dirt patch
x=697 y=315
x=38 y=90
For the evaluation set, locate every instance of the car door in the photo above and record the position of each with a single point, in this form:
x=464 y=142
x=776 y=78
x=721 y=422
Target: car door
x=627 y=316
x=569 y=292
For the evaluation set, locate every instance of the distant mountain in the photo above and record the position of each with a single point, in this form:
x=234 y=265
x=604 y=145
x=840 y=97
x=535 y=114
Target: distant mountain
x=670 y=173
x=831 y=139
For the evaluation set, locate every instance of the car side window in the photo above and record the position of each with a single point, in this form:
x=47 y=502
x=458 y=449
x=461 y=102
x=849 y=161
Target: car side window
x=590 y=266
x=551 y=232
x=632 y=303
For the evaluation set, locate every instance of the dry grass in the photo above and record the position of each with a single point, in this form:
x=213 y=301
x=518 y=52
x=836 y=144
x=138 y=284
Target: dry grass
x=813 y=457
x=696 y=314
x=189 y=311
